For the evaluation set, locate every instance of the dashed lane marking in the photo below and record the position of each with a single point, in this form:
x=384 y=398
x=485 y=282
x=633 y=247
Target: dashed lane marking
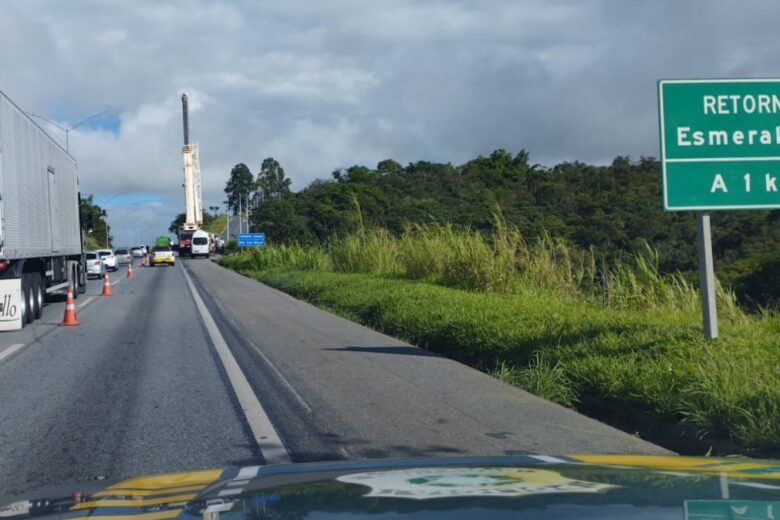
x=10 y=351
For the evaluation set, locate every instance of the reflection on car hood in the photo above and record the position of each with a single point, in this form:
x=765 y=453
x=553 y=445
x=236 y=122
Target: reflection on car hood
x=525 y=486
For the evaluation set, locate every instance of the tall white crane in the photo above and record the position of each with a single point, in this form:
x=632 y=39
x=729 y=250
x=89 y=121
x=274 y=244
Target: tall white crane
x=193 y=199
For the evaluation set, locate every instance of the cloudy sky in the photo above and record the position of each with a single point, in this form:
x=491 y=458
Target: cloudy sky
x=319 y=85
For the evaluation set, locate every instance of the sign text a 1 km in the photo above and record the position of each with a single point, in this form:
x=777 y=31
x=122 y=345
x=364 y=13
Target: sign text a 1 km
x=720 y=143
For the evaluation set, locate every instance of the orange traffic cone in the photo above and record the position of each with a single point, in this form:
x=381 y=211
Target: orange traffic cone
x=70 y=310
x=107 y=286
x=129 y=270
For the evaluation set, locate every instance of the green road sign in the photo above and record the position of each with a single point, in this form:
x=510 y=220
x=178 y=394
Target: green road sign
x=720 y=143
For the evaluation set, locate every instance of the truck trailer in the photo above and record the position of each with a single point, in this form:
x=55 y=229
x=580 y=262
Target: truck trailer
x=41 y=243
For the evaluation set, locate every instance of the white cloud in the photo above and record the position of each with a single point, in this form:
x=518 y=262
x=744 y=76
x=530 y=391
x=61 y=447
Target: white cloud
x=319 y=85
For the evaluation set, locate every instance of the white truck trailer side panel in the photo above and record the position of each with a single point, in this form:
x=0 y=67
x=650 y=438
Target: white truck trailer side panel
x=39 y=211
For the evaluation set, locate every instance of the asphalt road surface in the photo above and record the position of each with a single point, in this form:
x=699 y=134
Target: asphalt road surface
x=195 y=367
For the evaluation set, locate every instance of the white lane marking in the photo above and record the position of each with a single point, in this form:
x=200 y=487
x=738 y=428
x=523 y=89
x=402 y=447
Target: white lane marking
x=10 y=350
x=265 y=434
x=546 y=458
x=86 y=301
x=248 y=472
x=234 y=483
x=228 y=492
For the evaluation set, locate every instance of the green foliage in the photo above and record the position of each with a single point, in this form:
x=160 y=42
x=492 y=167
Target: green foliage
x=91 y=243
x=540 y=377
x=503 y=262
x=239 y=187
x=292 y=256
x=93 y=224
x=280 y=222
x=213 y=223
x=176 y=223
x=271 y=182
x=603 y=210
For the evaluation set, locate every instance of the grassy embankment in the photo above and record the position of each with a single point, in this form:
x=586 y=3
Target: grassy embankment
x=618 y=342
x=217 y=225
x=91 y=243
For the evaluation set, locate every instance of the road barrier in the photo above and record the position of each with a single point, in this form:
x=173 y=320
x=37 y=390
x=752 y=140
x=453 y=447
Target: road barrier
x=70 y=319
x=107 y=286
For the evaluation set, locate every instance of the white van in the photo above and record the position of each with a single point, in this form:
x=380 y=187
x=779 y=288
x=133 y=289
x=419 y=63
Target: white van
x=200 y=244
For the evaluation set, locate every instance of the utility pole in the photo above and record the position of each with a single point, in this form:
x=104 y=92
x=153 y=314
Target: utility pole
x=227 y=230
x=239 y=213
x=69 y=128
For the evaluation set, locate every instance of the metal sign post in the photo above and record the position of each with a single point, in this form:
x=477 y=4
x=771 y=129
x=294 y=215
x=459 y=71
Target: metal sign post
x=709 y=309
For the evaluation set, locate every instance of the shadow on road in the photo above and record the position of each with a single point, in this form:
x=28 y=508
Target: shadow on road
x=404 y=351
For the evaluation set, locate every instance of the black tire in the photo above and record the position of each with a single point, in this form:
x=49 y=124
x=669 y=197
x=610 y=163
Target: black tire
x=74 y=281
x=38 y=296
x=24 y=309
x=27 y=311
x=30 y=300
x=81 y=288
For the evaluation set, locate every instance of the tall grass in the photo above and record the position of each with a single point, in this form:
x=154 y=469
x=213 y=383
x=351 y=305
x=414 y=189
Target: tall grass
x=291 y=256
x=502 y=261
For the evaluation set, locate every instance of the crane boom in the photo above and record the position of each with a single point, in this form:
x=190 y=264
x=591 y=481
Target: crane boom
x=193 y=204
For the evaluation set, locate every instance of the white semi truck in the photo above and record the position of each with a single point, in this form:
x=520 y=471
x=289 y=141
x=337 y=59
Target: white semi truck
x=41 y=244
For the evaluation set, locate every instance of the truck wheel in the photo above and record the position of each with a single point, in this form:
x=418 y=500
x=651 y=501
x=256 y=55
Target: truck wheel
x=23 y=301
x=38 y=293
x=73 y=279
x=81 y=282
x=30 y=300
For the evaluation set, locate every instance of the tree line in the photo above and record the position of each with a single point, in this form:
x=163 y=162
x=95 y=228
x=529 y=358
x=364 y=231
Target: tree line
x=614 y=209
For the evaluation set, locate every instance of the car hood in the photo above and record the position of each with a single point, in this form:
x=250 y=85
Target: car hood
x=524 y=486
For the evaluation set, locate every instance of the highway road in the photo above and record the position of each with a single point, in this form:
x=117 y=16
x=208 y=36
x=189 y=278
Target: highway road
x=196 y=366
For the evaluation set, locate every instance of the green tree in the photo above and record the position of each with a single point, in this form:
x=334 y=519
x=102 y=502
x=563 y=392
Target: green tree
x=280 y=222
x=271 y=181
x=239 y=187
x=176 y=223
x=93 y=221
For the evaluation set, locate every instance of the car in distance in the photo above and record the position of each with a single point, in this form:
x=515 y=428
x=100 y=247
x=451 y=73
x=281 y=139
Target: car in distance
x=137 y=251
x=123 y=256
x=162 y=255
x=95 y=266
x=109 y=259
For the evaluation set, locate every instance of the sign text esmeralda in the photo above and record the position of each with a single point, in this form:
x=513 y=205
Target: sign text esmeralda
x=720 y=143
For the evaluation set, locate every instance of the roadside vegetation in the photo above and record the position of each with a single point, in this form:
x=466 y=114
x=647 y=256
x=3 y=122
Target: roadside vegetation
x=216 y=225
x=94 y=224
x=613 y=209
x=614 y=337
